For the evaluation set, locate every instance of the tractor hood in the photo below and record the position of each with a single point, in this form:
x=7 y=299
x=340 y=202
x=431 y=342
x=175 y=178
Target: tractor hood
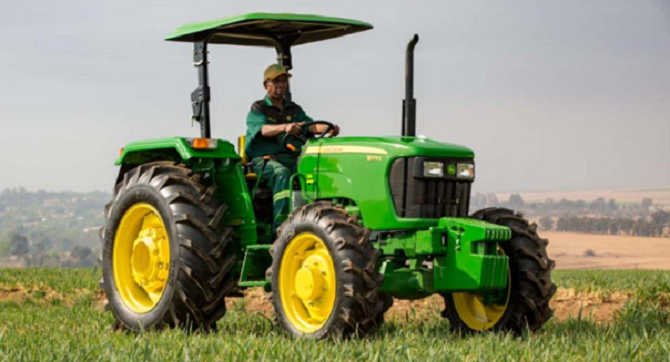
x=393 y=146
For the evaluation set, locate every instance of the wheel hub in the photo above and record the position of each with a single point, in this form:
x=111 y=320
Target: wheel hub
x=307 y=283
x=141 y=258
x=309 y=280
x=148 y=266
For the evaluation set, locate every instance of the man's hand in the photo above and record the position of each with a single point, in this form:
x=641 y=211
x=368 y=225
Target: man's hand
x=320 y=128
x=335 y=131
x=293 y=128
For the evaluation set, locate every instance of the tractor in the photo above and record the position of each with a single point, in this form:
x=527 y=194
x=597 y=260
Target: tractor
x=371 y=219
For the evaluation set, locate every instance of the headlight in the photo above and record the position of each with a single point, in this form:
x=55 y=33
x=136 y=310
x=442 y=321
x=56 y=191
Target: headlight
x=465 y=171
x=433 y=169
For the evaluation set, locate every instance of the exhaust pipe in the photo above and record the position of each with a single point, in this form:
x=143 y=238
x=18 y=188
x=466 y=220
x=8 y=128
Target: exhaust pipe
x=409 y=103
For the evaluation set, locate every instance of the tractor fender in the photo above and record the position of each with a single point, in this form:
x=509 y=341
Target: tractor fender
x=177 y=149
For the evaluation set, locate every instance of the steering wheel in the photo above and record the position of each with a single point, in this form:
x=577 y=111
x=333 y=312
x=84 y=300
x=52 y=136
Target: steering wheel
x=302 y=138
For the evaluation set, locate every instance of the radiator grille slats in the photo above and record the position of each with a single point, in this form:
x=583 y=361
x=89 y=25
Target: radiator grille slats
x=427 y=197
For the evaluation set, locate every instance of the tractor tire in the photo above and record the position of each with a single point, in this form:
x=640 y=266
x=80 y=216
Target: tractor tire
x=531 y=289
x=325 y=277
x=166 y=261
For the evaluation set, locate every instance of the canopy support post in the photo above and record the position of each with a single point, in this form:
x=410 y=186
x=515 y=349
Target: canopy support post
x=283 y=47
x=201 y=95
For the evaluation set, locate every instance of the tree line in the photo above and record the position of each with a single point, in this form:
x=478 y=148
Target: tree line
x=657 y=225
x=550 y=207
x=39 y=256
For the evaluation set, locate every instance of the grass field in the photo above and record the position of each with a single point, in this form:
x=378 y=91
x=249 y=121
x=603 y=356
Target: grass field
x=55 y=315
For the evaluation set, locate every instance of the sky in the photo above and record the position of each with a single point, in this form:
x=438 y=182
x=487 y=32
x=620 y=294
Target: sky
x=563 y=94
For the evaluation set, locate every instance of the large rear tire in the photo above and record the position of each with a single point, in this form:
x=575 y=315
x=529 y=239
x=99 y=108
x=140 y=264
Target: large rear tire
x=325 y=277
x=166 y=261
x=525 y=302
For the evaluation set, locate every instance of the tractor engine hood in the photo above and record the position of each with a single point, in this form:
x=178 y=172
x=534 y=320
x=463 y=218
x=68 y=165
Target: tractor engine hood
x=392 y=146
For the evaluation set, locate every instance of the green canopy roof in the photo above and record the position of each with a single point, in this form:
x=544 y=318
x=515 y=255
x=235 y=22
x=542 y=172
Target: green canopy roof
x=265 y=29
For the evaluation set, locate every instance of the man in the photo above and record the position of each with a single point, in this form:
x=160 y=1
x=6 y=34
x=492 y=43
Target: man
x=267 y=123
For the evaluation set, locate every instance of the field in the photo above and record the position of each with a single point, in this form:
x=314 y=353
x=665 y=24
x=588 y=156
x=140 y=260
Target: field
x=611 y=252
x=55 y=315
x=660 y=196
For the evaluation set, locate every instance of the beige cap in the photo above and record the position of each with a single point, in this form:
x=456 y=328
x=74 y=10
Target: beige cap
x=273 y=71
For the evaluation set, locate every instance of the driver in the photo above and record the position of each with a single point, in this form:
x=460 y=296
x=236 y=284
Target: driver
x=267 y=123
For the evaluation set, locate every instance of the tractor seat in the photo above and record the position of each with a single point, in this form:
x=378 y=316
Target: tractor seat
x=249 y=175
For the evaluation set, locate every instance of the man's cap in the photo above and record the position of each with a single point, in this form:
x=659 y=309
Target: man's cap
x=273 y=71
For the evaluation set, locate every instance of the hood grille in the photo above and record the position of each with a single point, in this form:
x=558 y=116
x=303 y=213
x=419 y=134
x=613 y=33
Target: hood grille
x=415 y=196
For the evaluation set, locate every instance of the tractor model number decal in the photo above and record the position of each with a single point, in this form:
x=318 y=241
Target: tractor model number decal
x=374 y=158
x=345 y=149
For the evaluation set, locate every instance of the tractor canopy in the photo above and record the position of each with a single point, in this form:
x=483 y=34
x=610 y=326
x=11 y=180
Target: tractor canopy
x=268 y=30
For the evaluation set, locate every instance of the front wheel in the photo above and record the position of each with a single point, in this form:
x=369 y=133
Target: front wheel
x=325 y=277
x=524 y=303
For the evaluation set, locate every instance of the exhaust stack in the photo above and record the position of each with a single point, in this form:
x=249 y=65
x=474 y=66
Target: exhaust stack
x=409 y=103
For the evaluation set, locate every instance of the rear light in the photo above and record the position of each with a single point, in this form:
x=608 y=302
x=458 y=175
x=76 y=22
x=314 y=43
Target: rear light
x=202 y=143
x=121 y=152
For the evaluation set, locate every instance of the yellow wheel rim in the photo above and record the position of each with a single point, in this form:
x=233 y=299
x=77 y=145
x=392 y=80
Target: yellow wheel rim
x=477 y=315
x=307 y=283
x=141 y=258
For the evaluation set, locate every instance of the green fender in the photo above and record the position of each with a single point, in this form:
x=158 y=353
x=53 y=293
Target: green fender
x=175 y=147
x=222 y=161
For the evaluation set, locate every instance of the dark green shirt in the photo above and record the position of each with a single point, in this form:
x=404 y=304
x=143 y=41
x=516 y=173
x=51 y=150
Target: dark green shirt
x=264 y=112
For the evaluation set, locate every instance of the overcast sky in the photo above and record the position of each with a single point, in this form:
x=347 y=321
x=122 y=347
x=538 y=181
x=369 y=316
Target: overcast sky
x=550 y=94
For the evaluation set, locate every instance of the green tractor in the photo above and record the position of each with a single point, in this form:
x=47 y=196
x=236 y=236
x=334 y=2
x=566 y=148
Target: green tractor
x=372 y=219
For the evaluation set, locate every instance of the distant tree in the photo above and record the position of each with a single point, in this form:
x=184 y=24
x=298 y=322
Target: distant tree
x=81 y=257
x=547 y=223
x=492 y=200
x=477 y=201
x=18 y=245
x=661 y=218
x=612 y=204
x=598 y=205
x=80 y=252
x=646 y=202
x=515 y=201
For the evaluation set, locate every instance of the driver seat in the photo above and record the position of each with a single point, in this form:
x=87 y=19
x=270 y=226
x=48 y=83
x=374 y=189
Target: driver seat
x=249 y=174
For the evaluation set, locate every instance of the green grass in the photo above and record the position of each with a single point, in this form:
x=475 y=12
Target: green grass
x=67 y=280
x=64 y=280
x=36 y=331
x=613 y=280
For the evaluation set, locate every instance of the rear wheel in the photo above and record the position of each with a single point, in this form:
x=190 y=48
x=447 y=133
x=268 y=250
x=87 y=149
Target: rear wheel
x=524 y=304
x=165 y=259
x=325 y=278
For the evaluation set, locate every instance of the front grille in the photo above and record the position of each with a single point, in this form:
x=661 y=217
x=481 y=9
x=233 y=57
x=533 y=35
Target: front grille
x=415 y=196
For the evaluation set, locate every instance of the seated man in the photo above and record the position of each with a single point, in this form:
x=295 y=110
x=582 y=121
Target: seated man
x=267 y=123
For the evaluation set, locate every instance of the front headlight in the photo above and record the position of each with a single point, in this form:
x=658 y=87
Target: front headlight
x=465 y=171
x=433 y=169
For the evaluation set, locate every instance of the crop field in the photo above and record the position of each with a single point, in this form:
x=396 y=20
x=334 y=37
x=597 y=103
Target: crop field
x=601 y=315
x=608 y=251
